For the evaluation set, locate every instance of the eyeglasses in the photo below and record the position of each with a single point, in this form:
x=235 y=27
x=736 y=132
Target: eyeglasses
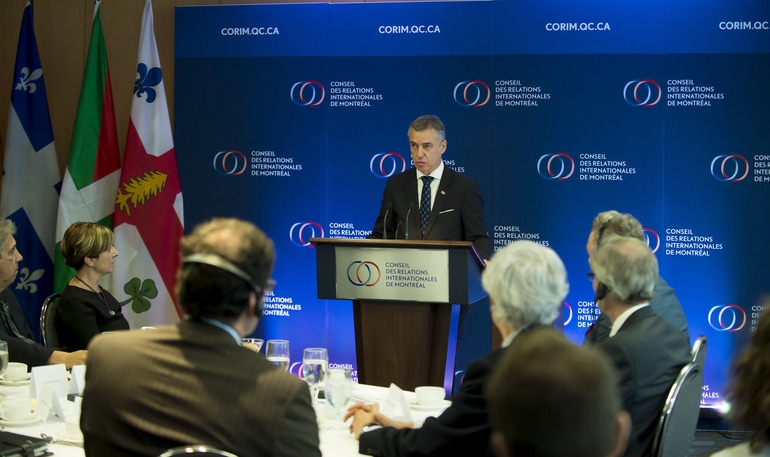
x=591 y=276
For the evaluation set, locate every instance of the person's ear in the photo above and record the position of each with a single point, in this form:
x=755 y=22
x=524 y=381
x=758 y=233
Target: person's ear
x=499 y=445
x=622 y=432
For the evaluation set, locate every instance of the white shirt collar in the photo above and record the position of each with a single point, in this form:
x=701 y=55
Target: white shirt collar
x=624 y=316
x=435 y=173
x=509 y=339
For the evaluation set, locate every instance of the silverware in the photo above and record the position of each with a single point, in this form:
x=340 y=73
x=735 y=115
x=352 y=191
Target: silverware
x=52 y=440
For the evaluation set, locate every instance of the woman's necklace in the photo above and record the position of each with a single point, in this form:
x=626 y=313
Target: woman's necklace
x=101 y=295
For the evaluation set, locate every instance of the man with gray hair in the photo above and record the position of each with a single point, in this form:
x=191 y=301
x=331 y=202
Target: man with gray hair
x=664 y=303
x=526 y=283
x=647 y=351
x=14 y=328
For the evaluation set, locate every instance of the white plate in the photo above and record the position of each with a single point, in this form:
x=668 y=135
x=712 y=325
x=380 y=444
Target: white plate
x=443 y=405
x=20 y=382
x=30 y=420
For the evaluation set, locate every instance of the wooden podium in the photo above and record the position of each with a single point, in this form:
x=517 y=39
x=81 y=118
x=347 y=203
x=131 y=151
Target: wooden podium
x=406 y=297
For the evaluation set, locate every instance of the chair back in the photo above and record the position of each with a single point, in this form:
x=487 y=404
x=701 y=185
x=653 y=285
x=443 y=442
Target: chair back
x=699 y=351
x=679 y=417
x=48 y=321
x=197 y=450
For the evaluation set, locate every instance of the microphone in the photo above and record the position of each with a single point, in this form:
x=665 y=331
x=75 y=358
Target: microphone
x=385 y=224
x=406 y=230
x=397 y=227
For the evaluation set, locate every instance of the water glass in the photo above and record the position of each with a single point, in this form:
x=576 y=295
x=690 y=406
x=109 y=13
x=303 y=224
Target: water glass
x=3 y=357
x=339 y=389
x=315 y=362
x=254 y=344
x=277 y=351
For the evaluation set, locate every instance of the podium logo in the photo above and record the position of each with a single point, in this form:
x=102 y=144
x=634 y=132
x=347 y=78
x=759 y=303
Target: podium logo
x=387 y=164
x=473 y=94
x=642 y=92
x=363 y=273
x=558 y=166
x=301 y=232
x=653 y=239
x=230 y=163
x=729 y=167
x=307 y=93
x=727 y=318
x=567 y=313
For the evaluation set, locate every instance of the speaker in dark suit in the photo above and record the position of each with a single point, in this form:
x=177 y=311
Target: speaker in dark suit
x=456 y=211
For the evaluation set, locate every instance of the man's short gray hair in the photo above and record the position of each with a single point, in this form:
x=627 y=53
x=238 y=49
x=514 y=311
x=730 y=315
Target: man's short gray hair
x=527 y=283
x=7 y=228
x=628 y=267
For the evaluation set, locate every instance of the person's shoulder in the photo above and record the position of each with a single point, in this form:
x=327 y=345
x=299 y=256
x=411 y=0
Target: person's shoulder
x=742 y=450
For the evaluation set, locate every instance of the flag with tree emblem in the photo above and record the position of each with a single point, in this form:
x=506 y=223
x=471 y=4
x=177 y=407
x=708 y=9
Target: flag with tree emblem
x=148 y=210
x=31 y=179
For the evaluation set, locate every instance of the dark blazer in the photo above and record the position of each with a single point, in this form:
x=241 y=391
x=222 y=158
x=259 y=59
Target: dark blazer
x=462 y=429
x=150 y=390
x=457 y=214
x=33 y=354
x=648 y=353
x=664 y=303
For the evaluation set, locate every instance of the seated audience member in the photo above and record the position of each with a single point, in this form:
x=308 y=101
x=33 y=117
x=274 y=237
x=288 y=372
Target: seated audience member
x=526 y=283
x=647 y=351
x=550 y=398
x=749 y=392
x=85 y=308
x=193 y=382
x=664 y=303
x=14 y=328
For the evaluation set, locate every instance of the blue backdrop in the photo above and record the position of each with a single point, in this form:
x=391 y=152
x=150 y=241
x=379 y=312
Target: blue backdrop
x=293 y=115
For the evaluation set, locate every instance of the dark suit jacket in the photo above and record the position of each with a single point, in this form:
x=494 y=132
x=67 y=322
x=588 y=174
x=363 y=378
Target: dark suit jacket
x=33 y=354
x=457 y=214
x=191 y=383
x=648 y=353
x=664 y=303
x=462 y=429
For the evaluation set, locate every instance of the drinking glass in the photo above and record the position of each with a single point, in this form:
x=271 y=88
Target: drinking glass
x=277 y=351
x=339 y=388
x=254 y=344
x=3 y=357
x=315 y=362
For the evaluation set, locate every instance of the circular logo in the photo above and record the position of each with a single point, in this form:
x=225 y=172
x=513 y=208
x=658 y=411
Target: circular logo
x=363 y=273
x=567 y=313
x=727 y=318
x=729 y=167
x=307 y=93
x=473 y=94
x=558 y=166
x=296 y=369
x=301 y=232
x=387 y=164
x=232 y=163
x=653 y=239
x=642 y=92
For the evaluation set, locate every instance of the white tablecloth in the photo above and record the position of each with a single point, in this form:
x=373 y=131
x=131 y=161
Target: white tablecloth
x=336 y=440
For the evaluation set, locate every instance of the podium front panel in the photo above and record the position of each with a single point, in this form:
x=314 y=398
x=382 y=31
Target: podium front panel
x=417 y=275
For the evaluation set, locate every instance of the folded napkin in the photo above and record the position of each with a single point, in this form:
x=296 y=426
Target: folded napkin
x=396 y=406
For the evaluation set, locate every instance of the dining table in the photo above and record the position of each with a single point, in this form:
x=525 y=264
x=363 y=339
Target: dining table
x=335 y=438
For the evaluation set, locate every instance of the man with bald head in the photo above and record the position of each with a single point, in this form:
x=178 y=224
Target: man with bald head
x=664 y=303
x=647 y=351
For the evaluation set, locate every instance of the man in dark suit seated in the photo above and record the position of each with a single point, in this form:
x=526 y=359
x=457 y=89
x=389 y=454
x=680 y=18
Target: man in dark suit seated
x=526 y=283
x=551 y=398
x=647 y=351
x=193 y=383
x=455 y=208
x=664 y=303
x=14 y=328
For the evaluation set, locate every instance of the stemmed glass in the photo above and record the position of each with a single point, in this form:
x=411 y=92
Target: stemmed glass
x=339 y=388
x=315 y=362
x=277 y=351
x=3 y=357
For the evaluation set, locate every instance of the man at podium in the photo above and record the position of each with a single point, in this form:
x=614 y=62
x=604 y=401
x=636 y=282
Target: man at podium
x=431 y=201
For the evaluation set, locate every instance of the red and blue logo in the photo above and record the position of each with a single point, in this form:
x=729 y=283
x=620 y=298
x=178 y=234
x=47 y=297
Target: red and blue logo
x=472 y=94
x=559 y=166
x=727 y=318
x=653 y=239
x=729 y=167
x=301 y=232
x=642 y=92
x=363 y=273
x=387 y=164
x=307 y=93
x=230 y=163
